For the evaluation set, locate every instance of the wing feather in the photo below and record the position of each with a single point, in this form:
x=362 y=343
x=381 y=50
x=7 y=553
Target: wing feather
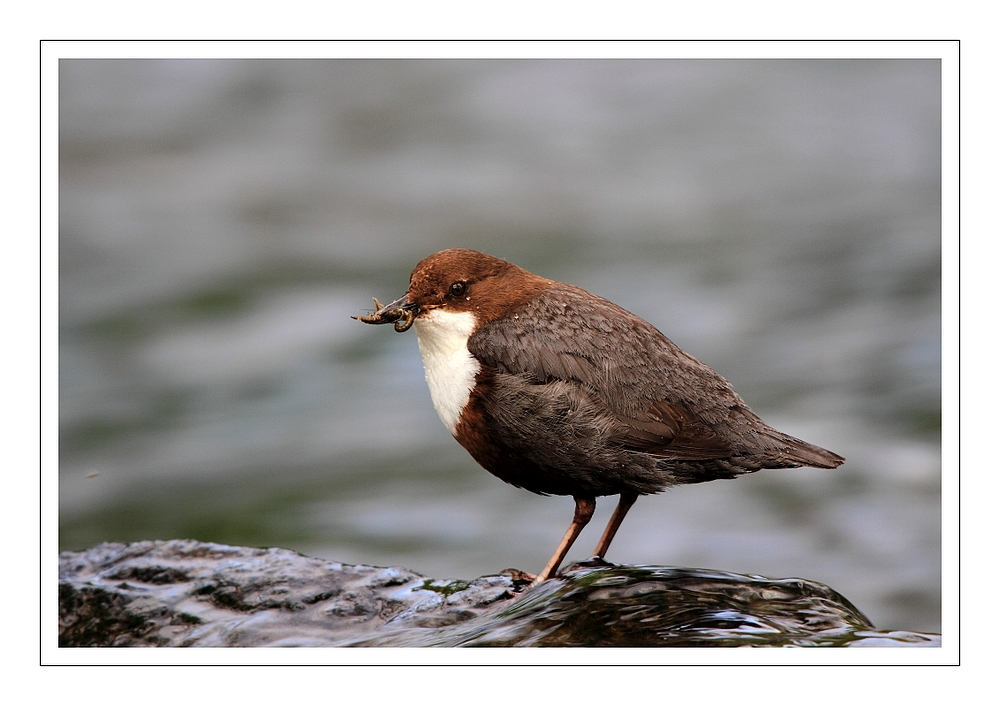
x=614 y=361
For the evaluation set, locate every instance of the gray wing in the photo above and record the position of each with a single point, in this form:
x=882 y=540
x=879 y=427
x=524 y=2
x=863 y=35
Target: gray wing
x=654 y=398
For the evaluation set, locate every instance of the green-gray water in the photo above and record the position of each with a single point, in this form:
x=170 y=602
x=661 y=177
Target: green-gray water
x=220 y=221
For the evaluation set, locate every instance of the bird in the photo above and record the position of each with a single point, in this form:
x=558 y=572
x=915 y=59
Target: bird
x=561 y=392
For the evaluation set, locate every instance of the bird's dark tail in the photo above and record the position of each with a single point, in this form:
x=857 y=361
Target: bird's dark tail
x=774 y=449
x=786 y=451
x=802 y=453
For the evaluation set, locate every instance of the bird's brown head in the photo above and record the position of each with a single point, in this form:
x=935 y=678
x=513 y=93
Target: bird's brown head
x=459 y=280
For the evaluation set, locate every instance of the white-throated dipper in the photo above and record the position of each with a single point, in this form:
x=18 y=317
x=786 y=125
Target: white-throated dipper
x=560 y=392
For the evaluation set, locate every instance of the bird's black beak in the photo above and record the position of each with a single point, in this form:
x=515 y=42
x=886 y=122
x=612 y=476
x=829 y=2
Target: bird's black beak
x=399 y=313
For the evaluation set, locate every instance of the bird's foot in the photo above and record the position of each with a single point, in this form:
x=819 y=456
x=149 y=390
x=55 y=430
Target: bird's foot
x=591 y=563
x=521 y=579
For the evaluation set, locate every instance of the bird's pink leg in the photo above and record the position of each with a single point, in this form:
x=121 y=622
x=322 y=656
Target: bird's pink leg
x=584 y=511
x=624 y=503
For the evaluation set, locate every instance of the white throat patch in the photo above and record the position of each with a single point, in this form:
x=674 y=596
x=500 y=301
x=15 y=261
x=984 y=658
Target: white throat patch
x=449 y=368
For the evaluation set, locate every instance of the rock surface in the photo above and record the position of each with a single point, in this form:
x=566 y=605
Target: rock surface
x=186 y=593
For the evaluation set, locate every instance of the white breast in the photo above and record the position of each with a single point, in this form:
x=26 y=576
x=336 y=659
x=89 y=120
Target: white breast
x=448 y=366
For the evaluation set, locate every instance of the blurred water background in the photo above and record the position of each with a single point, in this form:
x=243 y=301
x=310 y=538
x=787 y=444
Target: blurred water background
x=221 y=220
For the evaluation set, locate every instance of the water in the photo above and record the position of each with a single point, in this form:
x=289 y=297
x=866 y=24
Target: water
x=220 y=221
x=183 y=593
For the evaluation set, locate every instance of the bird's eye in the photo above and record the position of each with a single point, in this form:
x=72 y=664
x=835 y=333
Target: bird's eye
x=458 y=289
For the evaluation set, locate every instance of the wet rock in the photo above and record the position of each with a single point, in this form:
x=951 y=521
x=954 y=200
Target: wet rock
x=187 y=593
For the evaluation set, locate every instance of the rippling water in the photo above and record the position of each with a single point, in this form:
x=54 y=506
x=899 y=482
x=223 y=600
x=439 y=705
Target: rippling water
x=182 y=593
x=220 y=221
